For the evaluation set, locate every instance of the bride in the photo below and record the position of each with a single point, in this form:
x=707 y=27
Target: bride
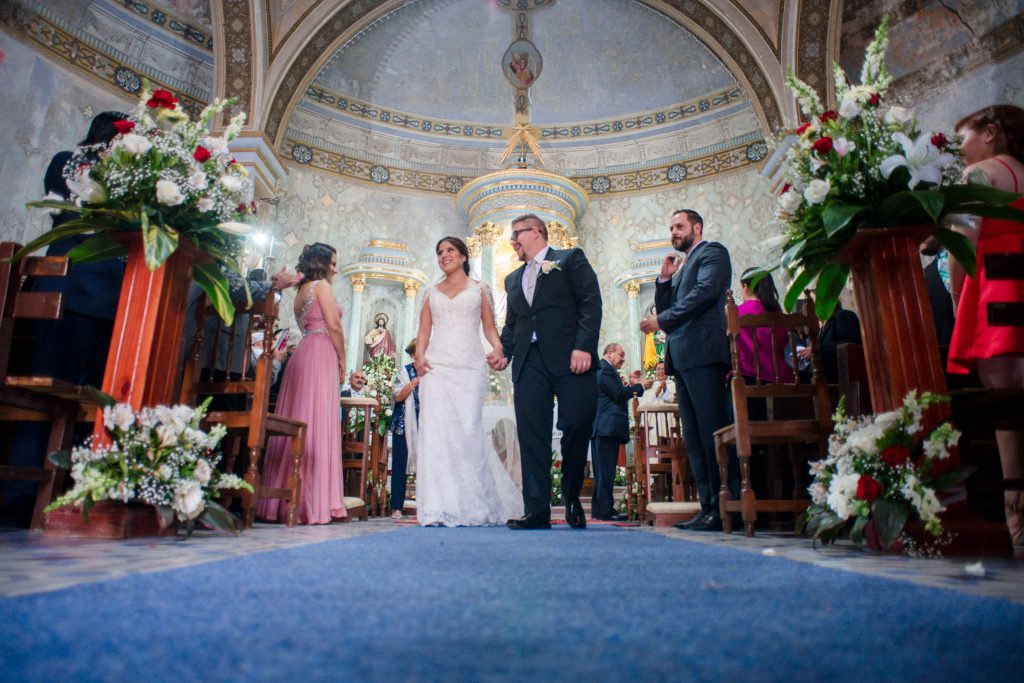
x=459 y=482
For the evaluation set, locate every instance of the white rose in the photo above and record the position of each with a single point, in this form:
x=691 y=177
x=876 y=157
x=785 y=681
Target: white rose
x=188 y=500
x=234 y=227
x=216 y=145
x=203 y=472
x=817 y=191
x=181 y=417
x=899 y=116
x=206 y=204
x=168 y=437
x=87 y=189
x=120 y=417
x=198 y=180
x=232 y=183
x=168 y=193
x=849 y=109
x=790 y=201
x=133 y=144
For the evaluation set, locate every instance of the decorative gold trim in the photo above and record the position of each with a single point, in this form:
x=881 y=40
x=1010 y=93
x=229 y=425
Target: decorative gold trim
x=384 y=244
x=411 y=288
x=358 y=283
x=632 y=288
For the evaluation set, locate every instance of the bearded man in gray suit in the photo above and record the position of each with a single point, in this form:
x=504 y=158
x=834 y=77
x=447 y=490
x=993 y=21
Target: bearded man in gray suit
x=690 y=302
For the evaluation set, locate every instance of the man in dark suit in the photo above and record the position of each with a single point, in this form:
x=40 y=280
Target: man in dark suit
x=611 y=426
x=691 y=310
x=552 y=321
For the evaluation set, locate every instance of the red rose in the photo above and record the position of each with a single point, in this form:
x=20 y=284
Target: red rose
x=124 y=126
x=803 y=129
x=822 y=145
x=252 y=207
x=829 y=116
x=242 y=208
x=162 y=99
x=201 y=154
x=896 y=455
x=558 y=465
x=874 y=100
x=939 y=140
x=785 y=188
x=868 y=488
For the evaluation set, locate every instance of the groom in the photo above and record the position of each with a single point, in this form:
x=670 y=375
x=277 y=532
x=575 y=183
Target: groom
x=552 y=321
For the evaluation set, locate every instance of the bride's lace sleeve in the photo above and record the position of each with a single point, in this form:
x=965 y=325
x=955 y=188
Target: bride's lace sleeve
x=487 y=296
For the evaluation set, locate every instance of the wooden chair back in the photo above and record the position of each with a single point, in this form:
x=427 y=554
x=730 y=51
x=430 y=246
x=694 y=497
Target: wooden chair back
x=660 y=453
x=796 y=412
x=853 y=379
x=364 y=470
x=213 y=351
x=25 y=397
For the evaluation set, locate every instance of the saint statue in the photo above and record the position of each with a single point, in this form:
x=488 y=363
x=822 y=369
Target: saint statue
x=379 y=339
x=654 y=347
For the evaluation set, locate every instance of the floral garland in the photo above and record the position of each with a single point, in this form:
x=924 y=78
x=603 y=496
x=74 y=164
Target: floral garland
x=159 y=456
x=167 y=177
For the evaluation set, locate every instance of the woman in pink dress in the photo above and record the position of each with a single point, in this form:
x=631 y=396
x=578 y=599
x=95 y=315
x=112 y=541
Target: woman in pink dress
x=757 y=300
x=309 y=392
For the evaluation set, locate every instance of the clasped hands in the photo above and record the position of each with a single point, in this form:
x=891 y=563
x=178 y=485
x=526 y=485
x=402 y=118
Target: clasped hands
x=579 y=361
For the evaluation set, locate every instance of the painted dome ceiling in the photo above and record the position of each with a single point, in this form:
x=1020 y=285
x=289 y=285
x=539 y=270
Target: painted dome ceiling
x=425 y=97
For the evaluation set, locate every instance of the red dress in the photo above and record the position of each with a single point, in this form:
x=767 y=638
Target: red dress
x=973 y=337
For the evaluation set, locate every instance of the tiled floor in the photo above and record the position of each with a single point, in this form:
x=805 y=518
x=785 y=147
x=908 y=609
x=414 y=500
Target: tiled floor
x=30 y=563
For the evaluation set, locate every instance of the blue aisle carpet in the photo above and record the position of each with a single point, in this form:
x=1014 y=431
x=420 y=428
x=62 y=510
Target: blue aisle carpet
x=417 y=604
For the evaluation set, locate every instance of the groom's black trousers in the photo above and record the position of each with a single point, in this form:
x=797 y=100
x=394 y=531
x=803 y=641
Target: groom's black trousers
x=534 y=402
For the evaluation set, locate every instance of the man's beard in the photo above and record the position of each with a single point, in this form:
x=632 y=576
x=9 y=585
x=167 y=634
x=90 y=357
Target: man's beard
x=684 y=243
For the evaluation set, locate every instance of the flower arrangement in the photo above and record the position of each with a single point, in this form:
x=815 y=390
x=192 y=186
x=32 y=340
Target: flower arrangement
x=159 y=456
x=380 y=377
x=166 y=176
x=879 y=469
x=556 y=478
x=868 y=164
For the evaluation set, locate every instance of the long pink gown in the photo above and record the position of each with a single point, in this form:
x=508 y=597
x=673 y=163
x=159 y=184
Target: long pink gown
x=309 y=392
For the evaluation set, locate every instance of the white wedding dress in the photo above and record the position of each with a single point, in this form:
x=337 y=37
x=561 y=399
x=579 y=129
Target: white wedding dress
x=459 y=482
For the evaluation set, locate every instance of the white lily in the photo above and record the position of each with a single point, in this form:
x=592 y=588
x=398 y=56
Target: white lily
x=924 y=160
x=842 y=146
x=235 y=228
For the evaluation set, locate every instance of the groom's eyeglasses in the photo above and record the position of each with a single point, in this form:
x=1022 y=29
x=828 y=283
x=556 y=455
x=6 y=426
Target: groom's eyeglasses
x=516 y=233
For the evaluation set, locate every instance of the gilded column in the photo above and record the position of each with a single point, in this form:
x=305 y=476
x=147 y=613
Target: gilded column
x=632 y=288
x=488 y=235
x=409 y=319
x=355 y=335
x=473 y=245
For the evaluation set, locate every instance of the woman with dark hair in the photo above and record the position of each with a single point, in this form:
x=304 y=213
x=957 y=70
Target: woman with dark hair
x=459 y=481
x=992 y=140
x=761 y=298
x=309 y=392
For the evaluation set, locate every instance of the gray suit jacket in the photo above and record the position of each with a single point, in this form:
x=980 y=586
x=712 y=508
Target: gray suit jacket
x=691 y=309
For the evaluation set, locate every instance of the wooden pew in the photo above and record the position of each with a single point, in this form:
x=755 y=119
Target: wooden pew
x=28 y=398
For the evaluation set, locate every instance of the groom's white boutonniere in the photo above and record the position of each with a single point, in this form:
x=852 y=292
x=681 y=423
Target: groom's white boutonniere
x=547 y=266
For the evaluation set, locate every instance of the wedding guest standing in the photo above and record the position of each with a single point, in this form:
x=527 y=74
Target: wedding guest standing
x=309 y=392
x=403 y=429
x=992 y=140
x=691 y=309
x=611 y=426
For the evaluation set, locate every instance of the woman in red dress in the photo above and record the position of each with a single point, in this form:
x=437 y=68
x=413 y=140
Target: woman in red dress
x=993 y=144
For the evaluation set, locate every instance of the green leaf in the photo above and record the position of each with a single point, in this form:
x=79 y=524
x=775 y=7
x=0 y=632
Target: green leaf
x=104 y=400
x=951 y=478
x=857 y=532
x=1006 y=213
x=791 y=253
x=796 y=290
x=838 y=216
x=931 y=201
x=97 y=248
x=975 y=192
x=75 y=227
x=86 y=507
x=158 y=241
x=894 y=208
x=890 y=517
x=212 y=281
x=218 y=518
x=165 y=516
x=830 y=284
x=959 y=246
x=61 y=459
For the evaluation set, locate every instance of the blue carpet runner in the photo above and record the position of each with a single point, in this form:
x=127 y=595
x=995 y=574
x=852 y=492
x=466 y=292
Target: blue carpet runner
x=416 y=604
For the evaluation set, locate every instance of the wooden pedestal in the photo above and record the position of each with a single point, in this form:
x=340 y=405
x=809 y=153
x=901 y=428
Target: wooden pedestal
x=902 y=353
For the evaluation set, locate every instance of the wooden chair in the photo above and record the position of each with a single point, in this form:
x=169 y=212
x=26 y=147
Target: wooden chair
x=661 y=465
x=745 y=433
x=364 y=471
x=23 y=396
x=853 y=379
x=251 y=420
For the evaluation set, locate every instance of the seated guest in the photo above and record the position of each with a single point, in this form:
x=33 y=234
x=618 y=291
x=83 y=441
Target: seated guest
x=403 y=429
x=354 y=388
x=663 y=389
x=611 y=426
x=757 y=300
x=842 y=327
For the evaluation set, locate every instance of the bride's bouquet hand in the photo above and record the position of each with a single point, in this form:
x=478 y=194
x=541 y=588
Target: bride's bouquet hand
x=422 y=366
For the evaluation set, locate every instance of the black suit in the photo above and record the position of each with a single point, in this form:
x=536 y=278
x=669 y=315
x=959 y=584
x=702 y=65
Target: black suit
x=691 y=311
x=565 y=315
x=611 y=428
